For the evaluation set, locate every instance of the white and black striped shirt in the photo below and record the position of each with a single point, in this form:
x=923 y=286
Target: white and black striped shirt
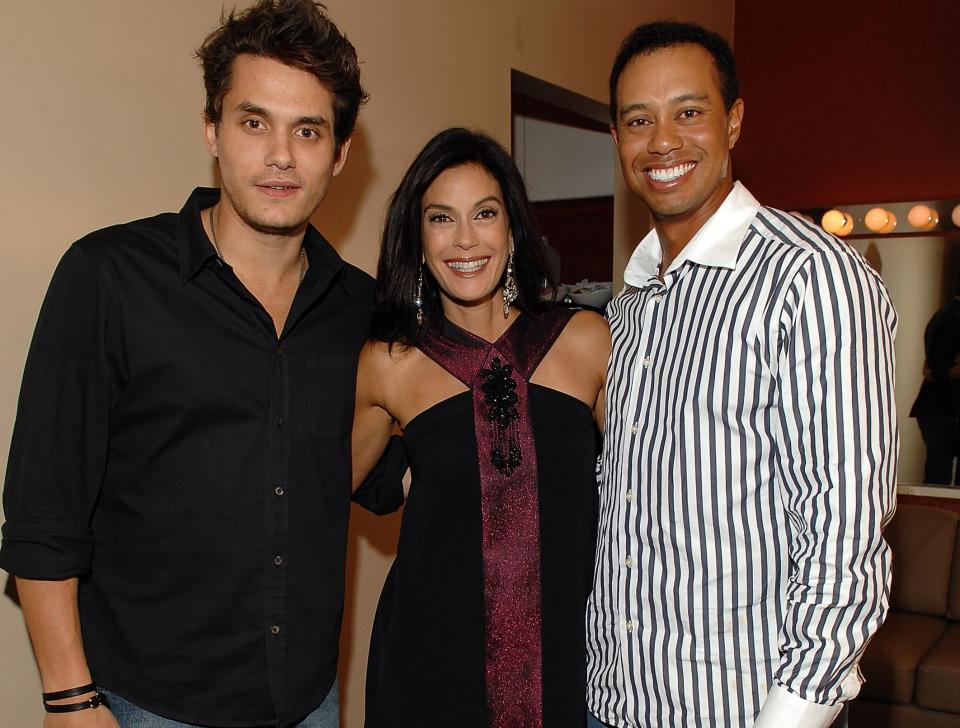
x=749 y=462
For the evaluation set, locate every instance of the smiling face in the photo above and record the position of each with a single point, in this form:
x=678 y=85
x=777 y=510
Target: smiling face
x=466 y=236
x=674 y=135
x=275 y=145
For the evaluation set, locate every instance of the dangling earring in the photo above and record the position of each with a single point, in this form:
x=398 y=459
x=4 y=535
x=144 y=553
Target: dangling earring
x=418 y=301
x=510 y=291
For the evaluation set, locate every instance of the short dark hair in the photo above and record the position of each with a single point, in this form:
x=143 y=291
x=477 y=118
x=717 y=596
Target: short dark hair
x=401 y=246
x=651 y=37
x=296 y=33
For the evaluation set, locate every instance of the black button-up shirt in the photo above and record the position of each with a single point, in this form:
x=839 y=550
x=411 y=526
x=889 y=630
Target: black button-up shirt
x=192 y=468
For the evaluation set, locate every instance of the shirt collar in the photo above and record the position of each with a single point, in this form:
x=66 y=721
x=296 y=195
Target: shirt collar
x=196 y=250
x=715 y=244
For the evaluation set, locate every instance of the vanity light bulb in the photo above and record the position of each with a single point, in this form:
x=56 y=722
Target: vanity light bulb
x=847 y=225
x=836 y=222
x=923 y=217
x=880 y=220
x=955 y=216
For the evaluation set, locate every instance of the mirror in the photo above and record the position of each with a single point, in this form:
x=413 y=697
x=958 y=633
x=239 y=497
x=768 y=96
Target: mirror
x=921 y=273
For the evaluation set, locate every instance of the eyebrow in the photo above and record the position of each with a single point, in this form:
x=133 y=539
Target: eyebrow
x=248 y=107
x=440 y=206
x=675 y=101
x=251 y=108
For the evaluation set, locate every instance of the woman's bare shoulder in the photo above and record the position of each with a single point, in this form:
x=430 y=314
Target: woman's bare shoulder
x=382 y=365
x=588 y=330
x=381 y=354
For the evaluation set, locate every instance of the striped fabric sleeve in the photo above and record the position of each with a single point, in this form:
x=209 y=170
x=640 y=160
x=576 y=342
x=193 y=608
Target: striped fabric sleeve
x=836 y=464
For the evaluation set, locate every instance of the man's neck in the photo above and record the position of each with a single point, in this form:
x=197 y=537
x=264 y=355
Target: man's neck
x=675 y=233
x=262 y=256
x=271 y=267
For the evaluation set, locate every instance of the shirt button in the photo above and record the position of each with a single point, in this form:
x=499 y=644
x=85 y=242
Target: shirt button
x=278 y=490
x=629 y=495
x=279 y=351
x=634 y=427
x=628 y=562
x=279 y=421
x=658 y=298
x=630 y=626
x=646 y=362
x=278 y=560
x=275 y=630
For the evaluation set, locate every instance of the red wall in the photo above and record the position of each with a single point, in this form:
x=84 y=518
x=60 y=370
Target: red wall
x=849 y=101
x=581 y=231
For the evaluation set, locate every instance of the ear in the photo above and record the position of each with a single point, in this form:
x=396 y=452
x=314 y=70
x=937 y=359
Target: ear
x=210 y=137
x=734 y=121
x=613 y=133
x=342 y=157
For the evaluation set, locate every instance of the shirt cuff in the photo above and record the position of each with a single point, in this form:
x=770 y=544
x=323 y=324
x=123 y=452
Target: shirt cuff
x=36 y=550
x=783 y=709
x=382 y=490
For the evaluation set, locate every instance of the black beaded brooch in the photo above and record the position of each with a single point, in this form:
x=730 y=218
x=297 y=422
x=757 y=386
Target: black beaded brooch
x=500 y=396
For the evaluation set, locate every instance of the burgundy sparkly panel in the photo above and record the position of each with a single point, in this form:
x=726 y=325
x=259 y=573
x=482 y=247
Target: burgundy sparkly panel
x=510 y=516
x=511 y=571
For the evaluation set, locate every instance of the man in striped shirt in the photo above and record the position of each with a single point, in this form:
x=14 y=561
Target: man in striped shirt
x=750 y=451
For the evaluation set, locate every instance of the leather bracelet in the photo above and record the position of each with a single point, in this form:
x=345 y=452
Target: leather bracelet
x=71 y=693
x=95 y=702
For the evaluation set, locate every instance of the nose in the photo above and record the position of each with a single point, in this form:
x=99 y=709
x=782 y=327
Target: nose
x=664 y=138
x=466 y=239
x=280 y=151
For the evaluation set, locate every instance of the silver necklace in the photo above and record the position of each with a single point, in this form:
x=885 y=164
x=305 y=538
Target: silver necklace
x=301 y=271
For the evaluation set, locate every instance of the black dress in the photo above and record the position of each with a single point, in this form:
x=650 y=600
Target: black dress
x=427 y=652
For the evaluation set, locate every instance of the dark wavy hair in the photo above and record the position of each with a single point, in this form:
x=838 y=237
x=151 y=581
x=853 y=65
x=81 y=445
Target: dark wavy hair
x=651 y=37
x=401 y=247
x=296 y=33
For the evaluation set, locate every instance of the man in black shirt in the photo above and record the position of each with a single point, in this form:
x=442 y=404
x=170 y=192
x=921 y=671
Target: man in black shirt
x=178 y=486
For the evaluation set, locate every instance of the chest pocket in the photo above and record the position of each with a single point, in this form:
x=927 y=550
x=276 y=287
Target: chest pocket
x=331 y=381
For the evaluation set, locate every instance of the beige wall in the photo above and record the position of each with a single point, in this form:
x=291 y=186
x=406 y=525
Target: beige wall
x=102 y=124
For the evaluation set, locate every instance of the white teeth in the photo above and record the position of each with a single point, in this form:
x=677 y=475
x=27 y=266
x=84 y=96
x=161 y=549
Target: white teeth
x=465 y=266
x=670 y=174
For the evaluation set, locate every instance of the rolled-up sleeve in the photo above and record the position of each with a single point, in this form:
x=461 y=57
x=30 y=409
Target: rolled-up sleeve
x=837 y=459
x=382 y=490
x=59 y=451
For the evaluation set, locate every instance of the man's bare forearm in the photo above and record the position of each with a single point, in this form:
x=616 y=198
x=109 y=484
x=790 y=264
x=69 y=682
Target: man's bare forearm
x=53 y=620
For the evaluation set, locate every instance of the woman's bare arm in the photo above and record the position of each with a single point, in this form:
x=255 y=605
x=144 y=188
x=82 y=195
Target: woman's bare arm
x=372 y=424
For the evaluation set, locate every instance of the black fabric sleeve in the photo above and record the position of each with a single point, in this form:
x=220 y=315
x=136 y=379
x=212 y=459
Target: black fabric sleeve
x=382 y=490
x=58 y=454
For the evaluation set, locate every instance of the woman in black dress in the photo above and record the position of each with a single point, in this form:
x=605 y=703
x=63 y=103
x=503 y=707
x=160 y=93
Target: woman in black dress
x=497 y=393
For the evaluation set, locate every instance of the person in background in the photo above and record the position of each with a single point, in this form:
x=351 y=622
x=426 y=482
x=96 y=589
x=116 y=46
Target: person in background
x=498 y=395
x=937 y=406
x=178 y=486
x=749 y=460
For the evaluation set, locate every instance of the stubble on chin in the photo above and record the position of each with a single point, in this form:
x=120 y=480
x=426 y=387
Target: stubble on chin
x=266 y=226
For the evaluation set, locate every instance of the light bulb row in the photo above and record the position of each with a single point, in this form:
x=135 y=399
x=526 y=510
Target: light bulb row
x=880 y=220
